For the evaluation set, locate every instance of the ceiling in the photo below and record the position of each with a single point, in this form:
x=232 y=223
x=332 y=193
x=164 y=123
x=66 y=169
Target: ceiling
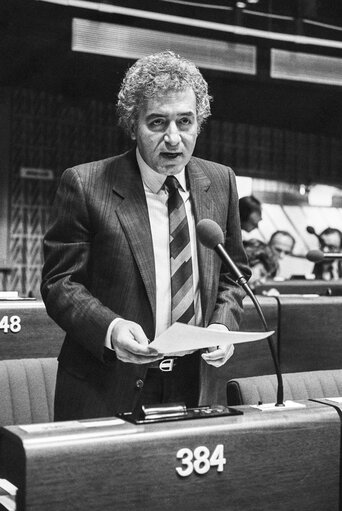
x=35 y=44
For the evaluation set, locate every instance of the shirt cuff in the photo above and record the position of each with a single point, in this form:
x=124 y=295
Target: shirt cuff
x=108 y=339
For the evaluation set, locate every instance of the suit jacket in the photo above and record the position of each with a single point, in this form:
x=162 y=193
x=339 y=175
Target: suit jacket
x=323 y=267
x=99 y=265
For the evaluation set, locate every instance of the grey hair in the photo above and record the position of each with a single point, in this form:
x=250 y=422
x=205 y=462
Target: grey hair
x=155 y=75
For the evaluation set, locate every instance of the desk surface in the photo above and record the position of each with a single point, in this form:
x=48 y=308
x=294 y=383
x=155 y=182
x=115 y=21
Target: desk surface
x=281 y=460
x=302 y=286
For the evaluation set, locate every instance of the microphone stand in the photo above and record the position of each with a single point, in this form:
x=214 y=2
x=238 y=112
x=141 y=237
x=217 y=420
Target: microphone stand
x=242 y=281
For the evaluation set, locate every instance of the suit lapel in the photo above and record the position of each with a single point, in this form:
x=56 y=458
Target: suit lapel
x=203 y=204
x=133 y=216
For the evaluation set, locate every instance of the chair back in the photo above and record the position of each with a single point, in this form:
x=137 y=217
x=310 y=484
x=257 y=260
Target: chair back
x=297 y=386
x=27 y=390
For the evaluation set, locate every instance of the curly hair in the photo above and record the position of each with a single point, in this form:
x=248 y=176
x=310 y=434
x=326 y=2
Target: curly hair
x=155 y=75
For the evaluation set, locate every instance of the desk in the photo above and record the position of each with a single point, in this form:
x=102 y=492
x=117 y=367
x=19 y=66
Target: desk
x=37 y=334
x=285 y=460
x=310 y=333
x=302 y=286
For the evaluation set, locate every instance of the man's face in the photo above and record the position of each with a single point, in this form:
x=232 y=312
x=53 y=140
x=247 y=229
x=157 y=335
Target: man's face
x=166 y=131
x=281 y=246
x=331 y=242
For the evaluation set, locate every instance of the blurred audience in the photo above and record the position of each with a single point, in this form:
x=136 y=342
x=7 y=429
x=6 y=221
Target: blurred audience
x=330 y=241
x=250 y=214
x=261 y=260
x=281 y=243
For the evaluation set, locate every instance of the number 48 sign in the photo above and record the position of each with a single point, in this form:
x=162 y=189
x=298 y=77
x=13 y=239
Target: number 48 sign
x=10 y=323
x=200 y=460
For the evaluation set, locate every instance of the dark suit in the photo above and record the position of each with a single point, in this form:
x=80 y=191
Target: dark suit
x=99 y=265
x=326 y=267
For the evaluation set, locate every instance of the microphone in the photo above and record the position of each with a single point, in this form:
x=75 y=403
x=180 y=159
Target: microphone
x=316 y=256
x=211 y=236
x=311 y=230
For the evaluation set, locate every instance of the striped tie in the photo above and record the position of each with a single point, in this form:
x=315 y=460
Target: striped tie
x=182 y=294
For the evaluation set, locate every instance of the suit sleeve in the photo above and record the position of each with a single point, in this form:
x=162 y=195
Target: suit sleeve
x=228 y=308
x=67 y=251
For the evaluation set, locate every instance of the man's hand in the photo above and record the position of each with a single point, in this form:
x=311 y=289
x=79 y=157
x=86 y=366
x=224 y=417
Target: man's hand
x=131 y=344
x=219 y=355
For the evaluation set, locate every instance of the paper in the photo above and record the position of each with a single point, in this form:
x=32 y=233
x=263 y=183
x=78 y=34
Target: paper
x=335 y=399
x=181 y=337
x=271 y=407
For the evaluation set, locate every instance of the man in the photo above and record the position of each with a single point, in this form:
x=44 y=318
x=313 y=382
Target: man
x=330 y=241
x=282 y=244
x=108 y=277
x=250 y=214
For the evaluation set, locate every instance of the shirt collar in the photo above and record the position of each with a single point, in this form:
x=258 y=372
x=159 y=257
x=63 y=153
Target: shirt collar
x=152 y=179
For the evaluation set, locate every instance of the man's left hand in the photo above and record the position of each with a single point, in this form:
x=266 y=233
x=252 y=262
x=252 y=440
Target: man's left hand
x=219 y=355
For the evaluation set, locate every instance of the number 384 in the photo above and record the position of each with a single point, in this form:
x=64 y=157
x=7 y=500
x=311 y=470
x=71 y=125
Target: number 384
x=200 y=460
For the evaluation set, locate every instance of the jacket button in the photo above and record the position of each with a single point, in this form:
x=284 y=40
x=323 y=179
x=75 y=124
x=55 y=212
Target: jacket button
x=139 y=384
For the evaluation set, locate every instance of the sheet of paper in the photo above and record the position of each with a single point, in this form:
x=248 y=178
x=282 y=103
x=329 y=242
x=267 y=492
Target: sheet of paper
x=180 y=337
x=335 y=399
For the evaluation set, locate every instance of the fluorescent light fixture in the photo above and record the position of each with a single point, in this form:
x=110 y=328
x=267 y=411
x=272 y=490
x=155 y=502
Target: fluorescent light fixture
x=244 y=185
x=306 y=67
x=322 y=195
x=132 y=42
x=190 y=22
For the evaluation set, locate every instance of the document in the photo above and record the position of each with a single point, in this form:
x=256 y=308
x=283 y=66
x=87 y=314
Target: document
x=181 y=337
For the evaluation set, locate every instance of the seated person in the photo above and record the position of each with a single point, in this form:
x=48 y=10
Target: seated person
x=281 y=243
x=330 y=241
x=261 y=261
x=250 y=214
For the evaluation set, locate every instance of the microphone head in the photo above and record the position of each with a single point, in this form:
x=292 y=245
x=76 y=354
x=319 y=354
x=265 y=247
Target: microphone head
x=311 y=230
x=209 y=233
x=315 y=256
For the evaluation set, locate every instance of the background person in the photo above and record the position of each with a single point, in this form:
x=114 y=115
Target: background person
x=107 y=280
x=250 y=214
x=282 y=244
x=330 y=241
x=261 y=260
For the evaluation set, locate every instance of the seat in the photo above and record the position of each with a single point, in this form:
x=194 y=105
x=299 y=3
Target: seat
x=297 y=386
x=27 y=390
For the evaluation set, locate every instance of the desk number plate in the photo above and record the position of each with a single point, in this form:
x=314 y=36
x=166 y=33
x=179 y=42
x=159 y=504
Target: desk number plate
x=200 y=460
x=10 y=323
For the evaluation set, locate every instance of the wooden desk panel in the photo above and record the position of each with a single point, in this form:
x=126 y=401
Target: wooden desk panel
x=285 y=460
x=310 y=333
x=249 y=359
x=39 y=336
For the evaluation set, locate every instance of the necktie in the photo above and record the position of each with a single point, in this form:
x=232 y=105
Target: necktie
x=182 y=295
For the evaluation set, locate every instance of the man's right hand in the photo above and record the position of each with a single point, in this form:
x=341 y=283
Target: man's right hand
x=131 y=344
